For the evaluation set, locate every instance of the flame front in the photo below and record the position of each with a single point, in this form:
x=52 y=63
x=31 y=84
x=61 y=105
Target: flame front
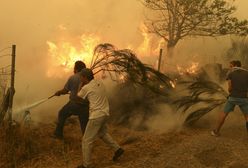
x=64 y=54
x=150 y=45
x=192 y=69
x=145 y=46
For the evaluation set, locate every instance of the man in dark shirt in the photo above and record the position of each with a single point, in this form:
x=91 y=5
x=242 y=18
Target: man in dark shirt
x=238 y=87
x=75 y=106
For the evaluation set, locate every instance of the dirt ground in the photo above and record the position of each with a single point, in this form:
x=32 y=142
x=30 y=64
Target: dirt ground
x=188 y=148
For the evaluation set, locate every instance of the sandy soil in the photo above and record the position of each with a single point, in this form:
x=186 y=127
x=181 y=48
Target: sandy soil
x=188 y=148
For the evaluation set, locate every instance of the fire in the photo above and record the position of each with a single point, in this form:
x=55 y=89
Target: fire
x=192 y=69
x=63 y=54
x=145 y=46
x=122 y=78
x=150 y=46
x=173 y=84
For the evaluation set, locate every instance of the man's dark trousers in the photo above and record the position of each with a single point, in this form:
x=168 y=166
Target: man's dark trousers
x=72 y=108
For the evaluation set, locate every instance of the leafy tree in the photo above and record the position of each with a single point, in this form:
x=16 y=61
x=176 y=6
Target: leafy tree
x=176 y=19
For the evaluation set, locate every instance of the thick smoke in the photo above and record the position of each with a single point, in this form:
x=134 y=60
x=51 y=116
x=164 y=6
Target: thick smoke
x=30 y=24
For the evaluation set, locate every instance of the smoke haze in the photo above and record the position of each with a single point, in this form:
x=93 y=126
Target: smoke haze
x=30 y=24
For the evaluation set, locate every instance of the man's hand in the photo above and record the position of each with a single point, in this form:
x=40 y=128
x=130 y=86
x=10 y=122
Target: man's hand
x=58 y=93
x=61 y=92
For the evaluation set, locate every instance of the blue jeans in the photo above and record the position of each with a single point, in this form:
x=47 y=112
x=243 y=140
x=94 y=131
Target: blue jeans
x=233 y=101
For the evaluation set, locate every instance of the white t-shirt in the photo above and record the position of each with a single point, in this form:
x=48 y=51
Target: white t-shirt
x=94 y=91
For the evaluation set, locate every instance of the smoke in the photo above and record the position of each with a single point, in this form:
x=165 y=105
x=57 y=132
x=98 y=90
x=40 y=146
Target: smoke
x=30 y=24
x=21 y=112
x=166 y=120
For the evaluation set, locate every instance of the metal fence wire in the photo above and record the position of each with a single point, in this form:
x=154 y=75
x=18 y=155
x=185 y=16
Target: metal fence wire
x=6 y=83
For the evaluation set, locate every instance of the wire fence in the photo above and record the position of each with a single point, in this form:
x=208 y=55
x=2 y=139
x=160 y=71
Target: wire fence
x=5 y=79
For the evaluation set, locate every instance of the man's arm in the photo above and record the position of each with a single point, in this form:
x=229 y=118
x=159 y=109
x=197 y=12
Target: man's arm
x=82 y=93
x=61 y=92
x=229 y=83
x=65 y=90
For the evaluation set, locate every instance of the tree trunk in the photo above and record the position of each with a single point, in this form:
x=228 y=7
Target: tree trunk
x=167 y=59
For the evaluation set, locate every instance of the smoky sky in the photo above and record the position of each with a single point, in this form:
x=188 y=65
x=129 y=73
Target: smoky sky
x=31 y=23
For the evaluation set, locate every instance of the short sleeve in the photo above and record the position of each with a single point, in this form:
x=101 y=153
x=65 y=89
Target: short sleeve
x=68 y=84
x=229 y=76
x=83 y=92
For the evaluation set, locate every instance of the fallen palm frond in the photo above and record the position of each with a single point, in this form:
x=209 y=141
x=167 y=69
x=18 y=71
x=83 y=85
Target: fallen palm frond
x=124 y=64
x=204 y=97
x=197 y=114
x=140 y=85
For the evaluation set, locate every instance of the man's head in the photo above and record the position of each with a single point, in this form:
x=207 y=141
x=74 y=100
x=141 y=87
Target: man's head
x=235 y=63
x=86 y=75
x=79 y=65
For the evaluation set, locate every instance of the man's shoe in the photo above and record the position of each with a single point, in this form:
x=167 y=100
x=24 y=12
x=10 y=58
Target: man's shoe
x=215 y=133
x=117 y=154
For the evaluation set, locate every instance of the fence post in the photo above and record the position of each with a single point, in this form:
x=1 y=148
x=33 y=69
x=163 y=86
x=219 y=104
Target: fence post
x=160 y=58
x=12 y=82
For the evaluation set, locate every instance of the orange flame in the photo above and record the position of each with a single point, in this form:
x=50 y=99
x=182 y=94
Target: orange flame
x=150 y=47
x=145 y=46
x=64 y=54
x=192 y=69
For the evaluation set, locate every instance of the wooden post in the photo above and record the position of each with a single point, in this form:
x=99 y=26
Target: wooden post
x=160 y=58
x=12 y=88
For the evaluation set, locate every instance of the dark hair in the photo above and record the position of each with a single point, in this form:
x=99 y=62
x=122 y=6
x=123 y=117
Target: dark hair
x=79 y=65
x=236 y=63
x=86 y=72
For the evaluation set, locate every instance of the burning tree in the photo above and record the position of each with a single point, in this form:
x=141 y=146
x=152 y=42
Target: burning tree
x=178 y=19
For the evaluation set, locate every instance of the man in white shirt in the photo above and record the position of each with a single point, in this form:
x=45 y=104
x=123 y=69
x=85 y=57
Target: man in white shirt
x=94 y=91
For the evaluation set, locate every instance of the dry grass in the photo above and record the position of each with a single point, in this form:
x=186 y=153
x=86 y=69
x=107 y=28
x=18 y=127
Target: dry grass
x=33 y=146
x=191 y=147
